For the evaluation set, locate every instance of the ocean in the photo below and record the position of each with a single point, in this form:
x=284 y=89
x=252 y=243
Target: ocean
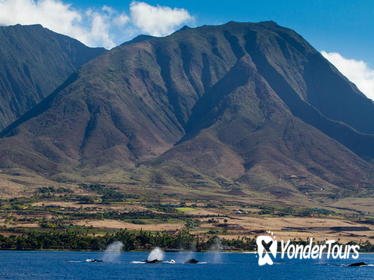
x=26 y=265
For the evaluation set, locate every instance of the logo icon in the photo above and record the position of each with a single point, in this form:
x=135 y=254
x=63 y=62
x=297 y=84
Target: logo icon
x=266 y=249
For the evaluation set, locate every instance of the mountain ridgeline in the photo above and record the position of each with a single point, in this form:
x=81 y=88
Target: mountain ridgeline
x=34 y=61
x=252 y=104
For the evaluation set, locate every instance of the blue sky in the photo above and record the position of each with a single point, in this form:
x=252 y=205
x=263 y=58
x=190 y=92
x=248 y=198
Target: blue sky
x=344 y=26
x=341 y=28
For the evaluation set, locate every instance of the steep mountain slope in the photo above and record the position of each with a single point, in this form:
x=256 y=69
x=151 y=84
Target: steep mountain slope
x=239 y=102
x=33 y=62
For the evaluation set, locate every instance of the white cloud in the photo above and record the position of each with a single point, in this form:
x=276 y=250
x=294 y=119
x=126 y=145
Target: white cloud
x=103 y=26
x=108 y=9
x=121 y=20
x=157 y=20
x=99 y=31
x=90 y=27
x=356 y=71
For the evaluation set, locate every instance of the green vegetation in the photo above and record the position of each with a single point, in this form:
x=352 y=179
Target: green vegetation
x=49 y=190
x=294 y=212
x=83 y=239
x=108 y=193
x=184 y=209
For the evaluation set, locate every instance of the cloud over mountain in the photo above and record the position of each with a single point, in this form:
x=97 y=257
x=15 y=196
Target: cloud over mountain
x=103 y=26
x=356 y=71
x=157 y=20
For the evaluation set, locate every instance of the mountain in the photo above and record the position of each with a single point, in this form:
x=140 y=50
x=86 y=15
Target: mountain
x=33 y=62
x=241 y=105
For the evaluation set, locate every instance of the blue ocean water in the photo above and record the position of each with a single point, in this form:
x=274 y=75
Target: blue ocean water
x=16 y=265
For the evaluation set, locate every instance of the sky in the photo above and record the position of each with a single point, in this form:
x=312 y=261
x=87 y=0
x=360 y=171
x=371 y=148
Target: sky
x=343 y=30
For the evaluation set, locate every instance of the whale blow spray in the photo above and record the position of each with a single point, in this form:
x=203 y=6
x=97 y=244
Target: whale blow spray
x=156 y=254
x=113 y=252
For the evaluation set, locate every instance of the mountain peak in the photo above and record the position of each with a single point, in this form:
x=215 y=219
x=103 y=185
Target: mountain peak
x=139 y=38
x=269 y=23
x=185 y=27
x=23 y=26
x=34 y=61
